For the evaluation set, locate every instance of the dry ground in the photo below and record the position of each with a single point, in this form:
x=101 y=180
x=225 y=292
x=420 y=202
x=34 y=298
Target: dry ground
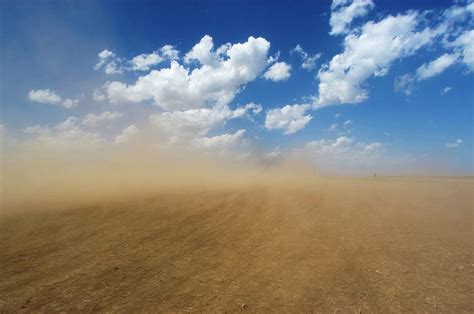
x=350 y=245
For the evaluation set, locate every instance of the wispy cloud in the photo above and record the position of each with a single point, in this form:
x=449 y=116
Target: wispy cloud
x=454 y=144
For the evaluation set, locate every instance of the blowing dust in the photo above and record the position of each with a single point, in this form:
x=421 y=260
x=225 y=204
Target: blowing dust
x=36 y=178
x=169 y=231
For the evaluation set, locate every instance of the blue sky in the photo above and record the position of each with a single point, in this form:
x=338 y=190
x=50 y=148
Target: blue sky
x=387 y=85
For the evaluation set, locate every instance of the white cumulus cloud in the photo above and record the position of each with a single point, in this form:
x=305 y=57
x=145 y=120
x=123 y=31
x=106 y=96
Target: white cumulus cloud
x=224 y=141
x=290 y=118
x=47 y=96
x=144 y=62
x=279 y=71
x=204 y=53
x=214 y=82
x=109 y=62
x=44 y=96
x=183 y=125
x=169 y=52
x=104 y=56
x=341 y=144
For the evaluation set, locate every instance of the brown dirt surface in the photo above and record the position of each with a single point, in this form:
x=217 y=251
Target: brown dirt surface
x=348 y=245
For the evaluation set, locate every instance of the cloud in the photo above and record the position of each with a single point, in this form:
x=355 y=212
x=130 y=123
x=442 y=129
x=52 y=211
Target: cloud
x=183 y=125
x=92 y=119
x=97 y=96
x=368 y=53
x=114 y=67
x=247 y=110
x=47 y=96
x=461 y=49
x=219 y=142
x=339 y=145
x=446 y=90
x=290 y=118
x=309 y=61
x=435 y=67
x=169 y=52
x=456 y=21
x=104 y=56
x=144 y=61
x=216 y=82
x=345 y=155
x=70 y=103
x=65 y=135
x=127 y=135
x=372 y=146
x=454 y=144
x=457 y=13
x=204 y=54
x=344 y=12
x=348 y=123
x=109 y=62
x=274 y=154
x=405 y=84
x=279 y=71
x=465 y=45
x=44 y=96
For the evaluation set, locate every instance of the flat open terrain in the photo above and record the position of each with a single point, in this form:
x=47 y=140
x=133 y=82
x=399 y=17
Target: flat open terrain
x=385 y=244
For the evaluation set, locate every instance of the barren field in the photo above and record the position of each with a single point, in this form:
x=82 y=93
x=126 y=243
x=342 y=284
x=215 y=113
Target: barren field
x=349 y=245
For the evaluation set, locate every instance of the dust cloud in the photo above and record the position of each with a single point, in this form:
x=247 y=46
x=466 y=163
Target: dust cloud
x=137 y=229
x=36 y=178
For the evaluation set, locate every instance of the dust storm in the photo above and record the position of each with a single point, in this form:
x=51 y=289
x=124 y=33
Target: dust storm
x=156 y=231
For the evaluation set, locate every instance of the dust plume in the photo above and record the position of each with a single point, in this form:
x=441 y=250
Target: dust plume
x=137 y=228
x=39 y=176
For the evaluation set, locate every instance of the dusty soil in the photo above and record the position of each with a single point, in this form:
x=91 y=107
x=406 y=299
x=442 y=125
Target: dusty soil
x=352 y=245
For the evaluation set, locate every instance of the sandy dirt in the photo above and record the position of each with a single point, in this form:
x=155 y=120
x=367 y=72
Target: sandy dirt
x=348 y=245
